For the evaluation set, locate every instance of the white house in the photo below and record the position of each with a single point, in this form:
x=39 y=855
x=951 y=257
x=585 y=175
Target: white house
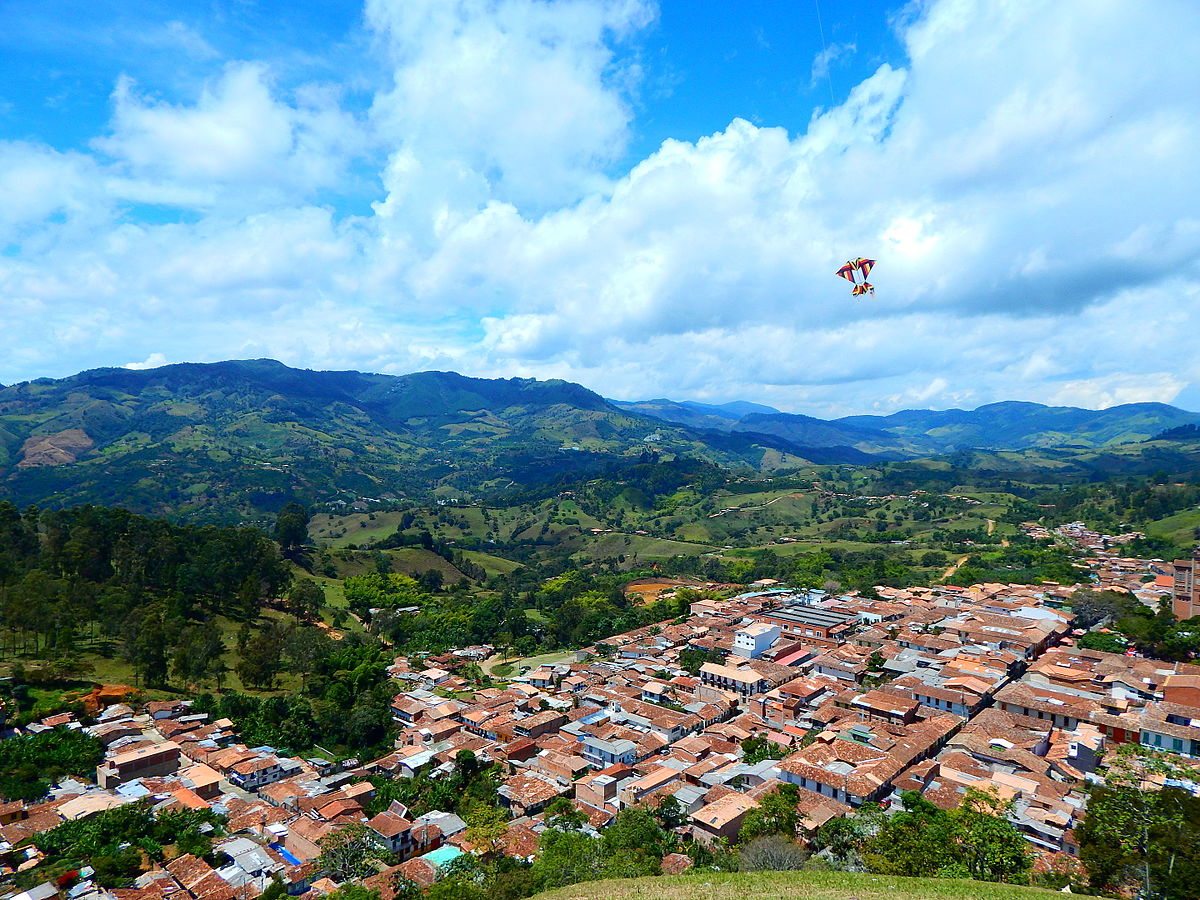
x=754 y=640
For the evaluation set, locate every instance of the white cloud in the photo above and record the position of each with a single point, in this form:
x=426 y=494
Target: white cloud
x=1025 y=179
x=510 y=99
x=153 y=361
x=237 y=141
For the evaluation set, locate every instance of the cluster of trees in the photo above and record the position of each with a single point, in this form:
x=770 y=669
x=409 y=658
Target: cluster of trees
x=824 y=568
x=470 y=785
x=1023 y=562
x=1153 y=633
x=974 y=840
x=1135 y=838
x=29 y=763
x=116 y=842
x=344 y=697
x=570 y=610
x=144 y=588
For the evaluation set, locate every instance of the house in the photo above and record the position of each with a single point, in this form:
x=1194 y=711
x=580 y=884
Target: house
x=722 y=818
x=601 y=753
x=528 y=794
x=743 y=681
x=754 y=640
x=810 y=624
x=140 y=762
x=393 y=831
x=633 y=791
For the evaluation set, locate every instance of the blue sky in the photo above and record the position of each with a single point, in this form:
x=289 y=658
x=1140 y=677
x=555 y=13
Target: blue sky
x=648 y=198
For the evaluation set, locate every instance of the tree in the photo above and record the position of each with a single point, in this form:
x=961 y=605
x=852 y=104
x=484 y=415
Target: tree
x=636 y=833
x=146 y=647
x=975 y=840
x=1092 y=607
x=197 y=653
x=775 y=814
x=305 y=648
x=841 y=838
x=353 y=892
x=992 y=849
x=291 y=527
x=305 y=598
x=1134 y=831
x=486 y=826
x=915 y=842
x=564 y=815
x=567 y=857
x=405 y=888
x=347 y=854
x=671 y=813
x=261 y=659
x=755 y=749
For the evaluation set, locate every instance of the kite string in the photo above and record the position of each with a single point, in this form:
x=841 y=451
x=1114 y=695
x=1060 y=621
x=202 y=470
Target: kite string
x=824 y=52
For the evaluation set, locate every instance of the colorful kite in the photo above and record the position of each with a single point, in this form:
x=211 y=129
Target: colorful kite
x=861 y=267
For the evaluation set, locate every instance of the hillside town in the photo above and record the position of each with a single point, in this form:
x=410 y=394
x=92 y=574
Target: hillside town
x=855 y=699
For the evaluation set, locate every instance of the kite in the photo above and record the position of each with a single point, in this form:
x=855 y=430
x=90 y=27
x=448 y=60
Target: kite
x=863 y=267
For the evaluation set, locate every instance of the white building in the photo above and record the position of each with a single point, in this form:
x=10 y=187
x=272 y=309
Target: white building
x=753 y=641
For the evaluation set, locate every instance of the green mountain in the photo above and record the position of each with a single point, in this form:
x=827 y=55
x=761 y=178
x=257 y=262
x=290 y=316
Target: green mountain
x=244 y=437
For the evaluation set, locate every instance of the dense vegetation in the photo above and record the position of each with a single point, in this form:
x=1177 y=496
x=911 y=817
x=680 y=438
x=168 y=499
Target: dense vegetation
x=138 y=587
x=343 y=700
x=1135 y=837
x=29 y=763
x=116 y=842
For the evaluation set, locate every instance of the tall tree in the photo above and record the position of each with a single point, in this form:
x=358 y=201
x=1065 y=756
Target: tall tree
x=291 y=527
x=305 y=598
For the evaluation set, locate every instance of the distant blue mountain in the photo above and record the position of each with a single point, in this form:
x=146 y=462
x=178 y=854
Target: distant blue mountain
x=1009 y=425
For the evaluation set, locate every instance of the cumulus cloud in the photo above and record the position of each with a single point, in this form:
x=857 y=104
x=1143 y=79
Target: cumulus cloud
x=236 y=135
x=1024 y=177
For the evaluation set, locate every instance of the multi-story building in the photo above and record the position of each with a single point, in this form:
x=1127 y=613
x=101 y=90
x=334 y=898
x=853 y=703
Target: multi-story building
x=1185 y=594
x=810 y=624
x=140 y=762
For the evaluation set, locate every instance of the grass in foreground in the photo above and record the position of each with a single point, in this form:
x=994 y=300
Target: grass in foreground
x=792 y=886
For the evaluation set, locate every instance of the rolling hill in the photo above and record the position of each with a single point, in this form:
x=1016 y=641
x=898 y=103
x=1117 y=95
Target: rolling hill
x=240 y=438
x=235 y=440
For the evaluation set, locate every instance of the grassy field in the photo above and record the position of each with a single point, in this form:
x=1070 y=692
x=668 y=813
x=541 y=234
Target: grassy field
x=792 y=886
x=407 y=561
x=493 y=565
x=637 y=546
x=357 y=528
x=684 y=523
x=1180 y=528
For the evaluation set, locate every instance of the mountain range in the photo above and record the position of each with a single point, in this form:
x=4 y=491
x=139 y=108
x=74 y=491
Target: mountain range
x=1009 y=425
x=235 y=440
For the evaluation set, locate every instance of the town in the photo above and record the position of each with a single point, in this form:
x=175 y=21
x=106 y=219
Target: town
x=850 y=699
